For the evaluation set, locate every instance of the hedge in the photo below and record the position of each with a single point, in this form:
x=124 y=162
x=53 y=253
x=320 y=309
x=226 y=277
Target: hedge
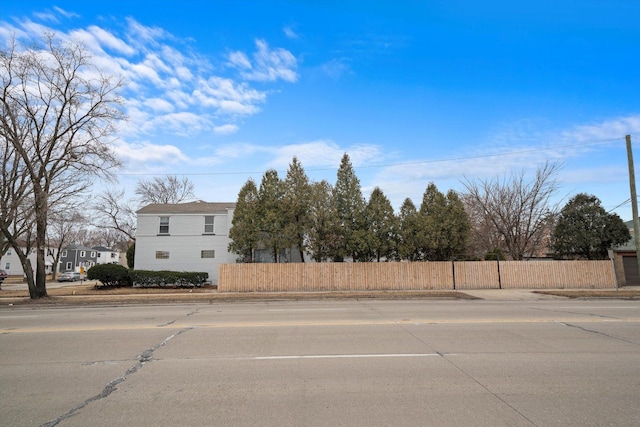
x=110 y=275
x=178 y=279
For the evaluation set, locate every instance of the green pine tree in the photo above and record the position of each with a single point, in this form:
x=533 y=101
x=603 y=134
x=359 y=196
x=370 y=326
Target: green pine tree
x=244 y=232
x=350 y=211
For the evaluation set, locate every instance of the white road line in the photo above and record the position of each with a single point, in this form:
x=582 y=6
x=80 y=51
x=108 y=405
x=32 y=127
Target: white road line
x=284 y=310
x=592 y=307
x=344 y=356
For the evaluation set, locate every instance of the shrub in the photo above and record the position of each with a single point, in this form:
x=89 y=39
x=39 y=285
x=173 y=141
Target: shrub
x=110 y=275
x=179 y=279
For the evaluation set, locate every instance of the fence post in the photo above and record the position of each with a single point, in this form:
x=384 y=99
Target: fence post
x=453 y=272
x=499 y=278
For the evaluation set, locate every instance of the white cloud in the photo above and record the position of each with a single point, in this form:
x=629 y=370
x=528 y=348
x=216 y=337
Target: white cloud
x=160 y=105
x=141 y=33
x=336 y=68
x=183 y=73
x=320 y=154
x=168 y=85
x=227 y=96
x=239 y=60
x=605 y=130
x=225 y=129
x=237 y=150
x=109 y=40
x=288 y=31
x=65 y=13
x=183 y=123
x=47 y=16
x=147 y=152
x=268 y=64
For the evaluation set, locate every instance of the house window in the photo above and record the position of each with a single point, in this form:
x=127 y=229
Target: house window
x=69 y=267
x=93 y=254
x=164 y=225
x=7 y=266
x=63 y=254
x=162 y=255
x=207 y=254
x=83 y=254
x=113 y=254
x=98 y=254
x=208 y=225
x=9 y=252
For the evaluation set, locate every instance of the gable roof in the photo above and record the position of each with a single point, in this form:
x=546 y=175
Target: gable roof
x=102 y=249
x=75 y=247
x=198 y=207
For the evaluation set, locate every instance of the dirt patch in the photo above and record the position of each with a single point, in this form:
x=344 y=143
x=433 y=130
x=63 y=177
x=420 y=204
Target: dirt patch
x=616 y=294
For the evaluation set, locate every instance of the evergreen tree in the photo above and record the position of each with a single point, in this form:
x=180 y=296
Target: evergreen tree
x=323 y=238
x=382 y=226
x=457 y=227
x=445 y=225
x=296 y=202
x=244 y=232
x=271 y=214
x=350 y=211
x=431 y=214
x=585 y=230
x=408 y=240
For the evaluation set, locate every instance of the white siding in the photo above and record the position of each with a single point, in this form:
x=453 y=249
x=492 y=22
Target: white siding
x=15 y=267
x=108 y=257
x=185 y=241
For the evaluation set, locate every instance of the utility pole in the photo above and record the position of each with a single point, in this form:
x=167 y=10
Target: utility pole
x=634 y=200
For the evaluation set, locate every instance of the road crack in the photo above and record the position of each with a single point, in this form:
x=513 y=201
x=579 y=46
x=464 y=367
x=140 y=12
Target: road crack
x=143 y=358
x=591 y=331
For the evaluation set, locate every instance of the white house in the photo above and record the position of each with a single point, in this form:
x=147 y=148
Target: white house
x=190 y=236
x=106 y=255
x=10 y=262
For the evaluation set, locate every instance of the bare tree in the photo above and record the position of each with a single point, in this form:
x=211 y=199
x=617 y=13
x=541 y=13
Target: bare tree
x=520 y=211
x=108 y=238
x=167 y=189
x=16 y=218
x=114 y=212
x=484 y=236
x=58 y=110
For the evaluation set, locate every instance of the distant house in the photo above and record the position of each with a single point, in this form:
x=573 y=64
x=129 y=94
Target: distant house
x=106 y=255
x=12 y=265
x=190 y=236
x=76 y=257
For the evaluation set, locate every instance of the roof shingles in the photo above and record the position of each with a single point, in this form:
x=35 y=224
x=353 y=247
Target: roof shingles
x=198 y=207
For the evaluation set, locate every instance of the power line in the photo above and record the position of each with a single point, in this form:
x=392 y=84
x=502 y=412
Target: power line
x=621 y=204
x=384 y=165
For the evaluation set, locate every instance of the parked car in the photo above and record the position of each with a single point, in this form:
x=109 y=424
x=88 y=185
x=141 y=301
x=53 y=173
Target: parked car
x=3 y=275
x=70 y=276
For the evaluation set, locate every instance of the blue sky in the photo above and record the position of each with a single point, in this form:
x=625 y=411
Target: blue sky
x=414 y=92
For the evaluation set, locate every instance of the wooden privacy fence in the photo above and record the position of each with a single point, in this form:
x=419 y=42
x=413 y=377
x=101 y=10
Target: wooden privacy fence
x=441 y=275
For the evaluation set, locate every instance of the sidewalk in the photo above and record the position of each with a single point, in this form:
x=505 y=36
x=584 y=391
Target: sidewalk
x=509 y=295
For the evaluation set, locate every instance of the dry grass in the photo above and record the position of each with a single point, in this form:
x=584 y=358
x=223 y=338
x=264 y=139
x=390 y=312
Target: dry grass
x=88 y=294
x=90 y=289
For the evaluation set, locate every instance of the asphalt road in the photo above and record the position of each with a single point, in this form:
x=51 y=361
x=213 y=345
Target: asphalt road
x=323 y=363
